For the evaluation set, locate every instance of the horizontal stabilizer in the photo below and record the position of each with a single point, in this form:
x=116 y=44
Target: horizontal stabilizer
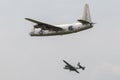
x=83 y=21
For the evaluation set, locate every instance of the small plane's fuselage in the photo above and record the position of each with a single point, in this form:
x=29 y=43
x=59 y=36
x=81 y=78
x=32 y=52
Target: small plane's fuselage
x=70 y=68
x=67 y=29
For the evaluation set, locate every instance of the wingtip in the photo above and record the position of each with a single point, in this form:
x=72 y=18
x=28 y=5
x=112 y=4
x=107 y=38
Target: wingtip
x=77 y=72
x=26 y=18
x=64 y=61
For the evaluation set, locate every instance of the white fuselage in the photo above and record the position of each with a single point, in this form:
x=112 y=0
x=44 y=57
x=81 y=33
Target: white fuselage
x=67 y=29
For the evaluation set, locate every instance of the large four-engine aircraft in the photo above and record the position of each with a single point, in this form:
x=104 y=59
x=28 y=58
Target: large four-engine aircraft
x=72 y=68
x=43 y=29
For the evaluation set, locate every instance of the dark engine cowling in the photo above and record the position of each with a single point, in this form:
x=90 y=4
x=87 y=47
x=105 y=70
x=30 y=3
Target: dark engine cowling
x=70 y=28
x=36 y=26
x=43 y=27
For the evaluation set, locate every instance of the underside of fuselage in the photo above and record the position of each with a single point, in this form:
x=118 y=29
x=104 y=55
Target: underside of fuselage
x=53 y=33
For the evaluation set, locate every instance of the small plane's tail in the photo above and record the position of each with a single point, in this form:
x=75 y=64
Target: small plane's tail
x=86 y=18
x=80 y=67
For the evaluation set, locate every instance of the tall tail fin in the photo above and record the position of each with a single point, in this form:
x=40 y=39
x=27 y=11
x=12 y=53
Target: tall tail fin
x=86 y=18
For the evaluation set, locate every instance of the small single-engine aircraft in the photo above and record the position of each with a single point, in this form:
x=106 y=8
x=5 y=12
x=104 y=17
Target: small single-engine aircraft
x=43 y=29
x=72 y=68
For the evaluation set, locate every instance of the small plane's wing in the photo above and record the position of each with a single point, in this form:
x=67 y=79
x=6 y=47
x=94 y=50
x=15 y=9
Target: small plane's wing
x=76 y=71
x=67 y=63
x=44 y=25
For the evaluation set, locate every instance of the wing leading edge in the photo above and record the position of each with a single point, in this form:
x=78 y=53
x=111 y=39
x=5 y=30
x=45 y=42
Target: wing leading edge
x=67 y=63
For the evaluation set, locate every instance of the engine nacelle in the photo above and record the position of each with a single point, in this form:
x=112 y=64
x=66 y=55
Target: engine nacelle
x=36 y=26
x=70 y=28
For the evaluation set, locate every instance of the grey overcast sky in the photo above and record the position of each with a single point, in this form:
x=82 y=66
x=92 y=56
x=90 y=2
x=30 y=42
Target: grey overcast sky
x=40 y=58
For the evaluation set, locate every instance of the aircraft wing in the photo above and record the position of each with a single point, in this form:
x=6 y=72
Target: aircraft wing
x=67 y=63
x=44 y=25
x=76 y=71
